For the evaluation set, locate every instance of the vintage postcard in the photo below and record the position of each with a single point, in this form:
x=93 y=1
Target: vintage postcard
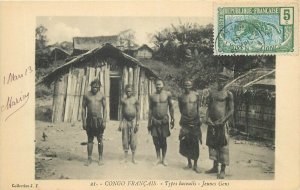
x=149 y=95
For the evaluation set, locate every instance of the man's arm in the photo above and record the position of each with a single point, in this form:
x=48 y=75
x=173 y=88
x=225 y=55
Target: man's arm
x=198 y=104
x=83 y=112
x=104 y=111
x=171 y=109
x=137 y=107
x=207 y=118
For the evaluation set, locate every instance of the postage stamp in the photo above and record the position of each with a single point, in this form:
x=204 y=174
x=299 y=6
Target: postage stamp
x=255 y=30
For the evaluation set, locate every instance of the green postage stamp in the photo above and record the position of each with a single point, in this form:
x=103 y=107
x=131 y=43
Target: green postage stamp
x=259 y=30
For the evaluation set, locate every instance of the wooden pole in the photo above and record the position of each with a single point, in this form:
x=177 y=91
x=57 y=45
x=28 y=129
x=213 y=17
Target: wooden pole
x=102 y=78
x=130 y=76
x=141 y=93
x=125 y=77
x=136 y=77
x=146 y=97
x=107 y=88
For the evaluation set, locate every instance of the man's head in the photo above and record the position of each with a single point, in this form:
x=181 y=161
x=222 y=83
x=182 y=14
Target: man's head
x=159 y=84
x=222 y=80
x=128 y=90
x=187 y=85
x=95 y=86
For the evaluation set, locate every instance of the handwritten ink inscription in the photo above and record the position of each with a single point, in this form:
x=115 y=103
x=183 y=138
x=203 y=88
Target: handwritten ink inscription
x=14 y=102
x=13 y=77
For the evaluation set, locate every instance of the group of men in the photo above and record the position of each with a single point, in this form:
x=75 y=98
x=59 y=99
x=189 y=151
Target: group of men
x=220 y=109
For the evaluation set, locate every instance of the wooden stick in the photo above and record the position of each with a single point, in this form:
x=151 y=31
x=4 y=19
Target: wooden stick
x=146 y=103
x=107 y=89
x=125 y=77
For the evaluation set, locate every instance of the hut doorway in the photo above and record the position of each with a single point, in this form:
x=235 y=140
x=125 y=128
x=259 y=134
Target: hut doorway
x=114 y=97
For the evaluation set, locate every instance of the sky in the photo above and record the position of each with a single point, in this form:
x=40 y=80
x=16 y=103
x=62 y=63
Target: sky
x=65 y=28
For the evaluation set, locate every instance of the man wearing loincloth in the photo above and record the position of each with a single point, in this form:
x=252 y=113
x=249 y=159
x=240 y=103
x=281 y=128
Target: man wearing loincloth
x=158 y=123
x=220 y=109
x=94 y=119
x=129 y=123
x=190 y=132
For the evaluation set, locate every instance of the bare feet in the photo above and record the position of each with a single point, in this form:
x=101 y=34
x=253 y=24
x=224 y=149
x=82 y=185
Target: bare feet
x=124 y=160
x=158 y=162
x=88 y=162
x=164 y=163
x=212 y=170
x=133 y=161
x=221 y=175
x=100 y=162
x=196 y=169
x=189 y=166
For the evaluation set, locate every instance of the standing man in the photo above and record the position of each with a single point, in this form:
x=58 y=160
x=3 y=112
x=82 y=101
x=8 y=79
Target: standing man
x=158 y=123
x=94 y=119
x=220 y=109
x=190 y=132
x=129 y=123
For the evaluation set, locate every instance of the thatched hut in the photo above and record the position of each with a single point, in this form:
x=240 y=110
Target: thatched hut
x=254 y=97
x=113 y=68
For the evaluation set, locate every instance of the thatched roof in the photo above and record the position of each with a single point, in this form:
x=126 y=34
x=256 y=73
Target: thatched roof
x=89 y=43
x=51 y=49
x=145 y=46
x=107 y=51
x=257 y=82
x=254 y=76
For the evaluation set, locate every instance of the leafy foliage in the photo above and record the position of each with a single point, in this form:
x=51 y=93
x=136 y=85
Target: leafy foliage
x=190 y=47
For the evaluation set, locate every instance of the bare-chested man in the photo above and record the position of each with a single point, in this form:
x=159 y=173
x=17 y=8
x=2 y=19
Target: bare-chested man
x=220 y=109
x=130 y=122
x=190 y=132
x=94 y=119
x=158 y=124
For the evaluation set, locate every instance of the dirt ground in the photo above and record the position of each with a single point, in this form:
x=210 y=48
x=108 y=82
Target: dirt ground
x=62 y=155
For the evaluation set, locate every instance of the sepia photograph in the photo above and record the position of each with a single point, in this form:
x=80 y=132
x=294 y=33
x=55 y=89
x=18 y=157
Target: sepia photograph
x=146 y=98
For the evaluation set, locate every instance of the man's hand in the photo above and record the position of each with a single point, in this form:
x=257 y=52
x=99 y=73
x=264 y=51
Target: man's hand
x=172 y=123
x=209 y=122
x=104 y=124
x=84 y=125
x=136 y=128
x=149 y=128
x=219 y=122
